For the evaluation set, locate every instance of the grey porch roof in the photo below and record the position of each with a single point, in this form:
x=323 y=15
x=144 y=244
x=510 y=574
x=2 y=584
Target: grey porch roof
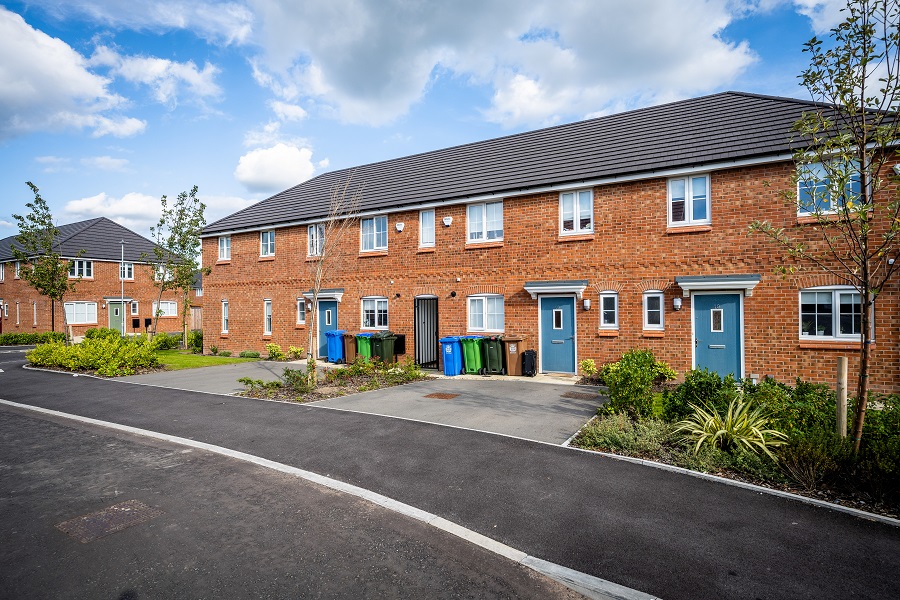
x=99 y=238
x=723 y=127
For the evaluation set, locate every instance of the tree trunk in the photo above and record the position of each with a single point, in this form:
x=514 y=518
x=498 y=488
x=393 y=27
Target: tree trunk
x=862 y=387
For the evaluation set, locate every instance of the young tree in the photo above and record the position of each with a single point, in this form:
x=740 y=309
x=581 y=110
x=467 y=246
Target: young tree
x=41 y=265
x=176 y=255
x=343 y=211
x=842 y=169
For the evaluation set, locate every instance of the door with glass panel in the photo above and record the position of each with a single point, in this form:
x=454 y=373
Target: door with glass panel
x=718 y=331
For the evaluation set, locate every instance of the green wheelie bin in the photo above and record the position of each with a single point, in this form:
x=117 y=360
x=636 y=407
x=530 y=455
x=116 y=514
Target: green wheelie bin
x=492 y=349
x=364 y=345
x=383 y=346
x=471 y=351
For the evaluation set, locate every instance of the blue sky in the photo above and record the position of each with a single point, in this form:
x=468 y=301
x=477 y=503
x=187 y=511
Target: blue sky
x=106 y=105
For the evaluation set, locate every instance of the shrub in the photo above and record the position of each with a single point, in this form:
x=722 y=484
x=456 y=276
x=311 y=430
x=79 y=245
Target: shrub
x=101 y=332
x=249 y=354
x=295 y=353
x=164 y=341
x=700 y=388
x=297 y=380
x=588 y=367
x=214 y=350
x=811 y=459
x=106 y=356
x=225 y=353
x=195 y=341
x=618 y=433
x=743 y=425
x=27 y=339
x=805 y=408
x=630 y=381
x=275 y=352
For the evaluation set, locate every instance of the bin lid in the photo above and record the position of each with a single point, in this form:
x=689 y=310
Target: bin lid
x=338 y=332
x=449 y=339
x=472 y=337
x=382 y=335
x=350 y=334
x=364 y=334
x=512 y=338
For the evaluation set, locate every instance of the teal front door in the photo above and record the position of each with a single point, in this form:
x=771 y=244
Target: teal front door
x=718 y=331
x=557 y=315
x=327 y=322
x=116 y=315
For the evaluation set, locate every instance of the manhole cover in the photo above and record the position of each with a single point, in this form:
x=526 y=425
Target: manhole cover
x=442 y=396
x=581 y=396
x=115 y=518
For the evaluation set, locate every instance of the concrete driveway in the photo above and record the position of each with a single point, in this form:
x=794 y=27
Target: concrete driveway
x=220 y=379
x=510 y=406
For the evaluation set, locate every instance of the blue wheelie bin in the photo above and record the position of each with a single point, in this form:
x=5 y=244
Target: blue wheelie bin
x=452 y=353
x=335 y=343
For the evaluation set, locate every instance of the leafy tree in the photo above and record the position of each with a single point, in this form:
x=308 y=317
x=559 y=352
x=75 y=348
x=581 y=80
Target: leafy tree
x=842 y=168
x=177 y=250
x=343 y=211
x=41 y=265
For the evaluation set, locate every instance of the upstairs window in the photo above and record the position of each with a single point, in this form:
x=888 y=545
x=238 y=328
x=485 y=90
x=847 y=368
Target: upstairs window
x=267 y=243
x=374 y=234
x=17 y=269
x=426 y=228
x=166 y=308
x=689 y=200
x=485 y=222
x=830 y=313
x=77 y=268
x=819 y=188
x=315 y=236
x=375 y=313
x=162 y=273
x=225 y=247
x=126 y=271
x=576 y=212
x=2 y=271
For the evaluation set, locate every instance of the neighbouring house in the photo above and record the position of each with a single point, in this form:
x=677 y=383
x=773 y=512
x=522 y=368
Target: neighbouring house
x=587 y=239
x=108 y=291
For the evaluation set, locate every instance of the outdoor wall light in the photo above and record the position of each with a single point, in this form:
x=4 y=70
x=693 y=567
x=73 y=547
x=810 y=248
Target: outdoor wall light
x=453 y=294
x=587 y=304
x=676 y=303
x=309 y=307
x=399 y=226
x=897 y=169
x=447 y=221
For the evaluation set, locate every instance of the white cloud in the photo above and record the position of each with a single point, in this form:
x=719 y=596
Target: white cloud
x=824 y=14
x=275 y=168
x=6 y=224
x=369 y=61
x=168 y=79
x=287 y=112
x=45 y=85
x=219 y=22
x=105 y=163
x=133 y=210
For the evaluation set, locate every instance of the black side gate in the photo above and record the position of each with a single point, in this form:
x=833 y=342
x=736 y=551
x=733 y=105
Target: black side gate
x=427 y=347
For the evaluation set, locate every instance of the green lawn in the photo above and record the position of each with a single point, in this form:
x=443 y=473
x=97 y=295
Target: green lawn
x=175 y=360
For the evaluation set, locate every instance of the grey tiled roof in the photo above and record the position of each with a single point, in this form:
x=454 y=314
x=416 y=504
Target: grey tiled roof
x=99 y=238
x=722 y=127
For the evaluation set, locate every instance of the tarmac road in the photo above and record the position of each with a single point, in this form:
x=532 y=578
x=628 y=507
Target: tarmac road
x=659 y=532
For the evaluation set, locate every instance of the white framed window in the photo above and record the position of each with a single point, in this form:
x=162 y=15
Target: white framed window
x=819 y=189
x=315 y=236
x=301 y=311
x=576 y=212
x=126 y=271
x=609 y=310
x=653 y=310
x=267 y=317
x=689 y=200
x=485 y=222
x=81 y=313
x=267 y=243
x=224 y=316
x=374 y=233
x=224 y=247
x=426 y=228
x=162 y=273
x=486 y=313
x=2 y=271
x=830 y=313
x=34 y=313
x=17 y=269
x=375 y=313
x=135 y=309
x=77 y=268
x=166 y=308
x=17 y=312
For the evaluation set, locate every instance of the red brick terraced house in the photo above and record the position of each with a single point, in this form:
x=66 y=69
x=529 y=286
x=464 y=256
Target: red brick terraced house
x=94 y=251
x=588 y=239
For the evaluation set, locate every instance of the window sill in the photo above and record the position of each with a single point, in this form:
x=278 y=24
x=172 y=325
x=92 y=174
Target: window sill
x=830 y=345
x=425 y=250
x=687 y=229
x=369 y=253
x=574 y=237
x=168 y=316
x=299 y=326
x=266 y=258
x=653 y=333
x=224 y=335
x=607 y=333
x=224 y=261
x=267 y=336
x=480 y=245
x=312 y=258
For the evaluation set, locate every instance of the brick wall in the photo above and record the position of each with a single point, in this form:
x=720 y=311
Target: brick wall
x=629 y=252
x=104 y=285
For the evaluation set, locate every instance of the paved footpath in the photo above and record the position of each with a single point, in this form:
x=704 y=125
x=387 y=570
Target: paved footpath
x=659 y=532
